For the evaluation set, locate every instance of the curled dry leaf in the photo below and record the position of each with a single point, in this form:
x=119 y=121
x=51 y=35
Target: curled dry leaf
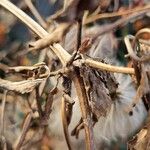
x=101 y=88
x=21 y=86
x=26 y=68
x=39 y=70
x=35 y=75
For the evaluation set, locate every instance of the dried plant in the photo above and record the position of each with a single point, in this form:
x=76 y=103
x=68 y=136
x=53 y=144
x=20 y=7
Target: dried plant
x=85 y=83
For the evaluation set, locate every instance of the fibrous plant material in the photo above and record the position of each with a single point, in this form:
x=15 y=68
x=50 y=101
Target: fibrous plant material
x=103 y=98
x=57 y=48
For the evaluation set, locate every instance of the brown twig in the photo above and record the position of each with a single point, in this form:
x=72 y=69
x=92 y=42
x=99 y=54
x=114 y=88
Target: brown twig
x=66 y=109
x=26 y=125
x=84 y=106
x=40 y=111
x=57 y=48
x=36 y=13
x=78 y=127
x=35 y=27
x=3 y=112
x=119 y=22
x=102 y=66
x=79 y=33
x=93 y=18
x=99 y=65
x=2 y=138
x=24 y=131
x=64 y=122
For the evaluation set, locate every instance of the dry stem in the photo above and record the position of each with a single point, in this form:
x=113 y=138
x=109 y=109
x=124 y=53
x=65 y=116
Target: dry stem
x=35 y=27
x=55 y=36
x=120 y=22
x=84 y=106
x=93 y=18
x=102 y=66
x=3 y=112
x=65 y=124
x=36 y=13
x=64 y=58
x=24 y=131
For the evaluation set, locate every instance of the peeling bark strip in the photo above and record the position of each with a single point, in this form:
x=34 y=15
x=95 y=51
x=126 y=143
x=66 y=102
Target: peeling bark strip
x=85 y=110
x=66 y=109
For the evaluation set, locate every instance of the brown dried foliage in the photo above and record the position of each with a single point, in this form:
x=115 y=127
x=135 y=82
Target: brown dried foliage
x=95 y=85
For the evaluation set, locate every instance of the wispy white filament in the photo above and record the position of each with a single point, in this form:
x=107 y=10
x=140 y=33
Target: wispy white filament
x=117 y=124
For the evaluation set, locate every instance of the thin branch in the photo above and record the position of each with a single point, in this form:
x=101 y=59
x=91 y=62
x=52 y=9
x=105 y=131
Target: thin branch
x=78 y=127
x=100 y=65
x=63 y=55
x=24 y=131
x=84 y=106
x=120 y=22
x=107 y=67
x=40 y=111
x=64 y=122
x=93 y=18
x=2 y=129
x=66 y=6
x=26 y=125
x=36 y=13
x=33 y=25
x=3 y=113
x=55 y=36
